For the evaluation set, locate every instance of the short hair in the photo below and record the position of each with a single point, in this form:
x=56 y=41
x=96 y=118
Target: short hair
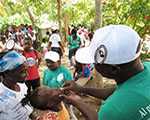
x=36 y=101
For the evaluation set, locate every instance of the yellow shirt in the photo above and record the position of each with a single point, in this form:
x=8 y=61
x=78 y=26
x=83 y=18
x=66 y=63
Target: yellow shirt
x=50 y=115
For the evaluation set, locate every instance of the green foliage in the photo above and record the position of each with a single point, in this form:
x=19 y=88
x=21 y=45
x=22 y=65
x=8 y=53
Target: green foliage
x=80 y=13
x=131 y=12
x=145 y=56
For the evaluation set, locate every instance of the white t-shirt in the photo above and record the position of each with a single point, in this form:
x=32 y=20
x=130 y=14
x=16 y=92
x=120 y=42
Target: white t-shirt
x=55 y=39
x=10 y=106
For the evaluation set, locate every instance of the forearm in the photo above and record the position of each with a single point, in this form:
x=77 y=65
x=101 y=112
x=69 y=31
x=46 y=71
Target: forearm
x=49 y=46
x=86 y=110
x=102 y=93
x=62 y=47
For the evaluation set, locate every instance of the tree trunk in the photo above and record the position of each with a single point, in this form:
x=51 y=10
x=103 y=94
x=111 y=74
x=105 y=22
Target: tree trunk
x=66 y=24
x=98 y=13
x=59 y=13
x=31 y=16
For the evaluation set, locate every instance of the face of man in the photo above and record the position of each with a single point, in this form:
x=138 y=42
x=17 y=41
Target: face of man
x=109 y=71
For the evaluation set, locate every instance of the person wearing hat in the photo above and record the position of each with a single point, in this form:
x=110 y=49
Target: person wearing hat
x=115 y=52
x=56 y=74
x=12 y=87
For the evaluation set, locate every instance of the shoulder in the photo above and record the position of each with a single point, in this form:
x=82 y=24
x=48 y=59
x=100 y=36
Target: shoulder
x=108 y=113
x=78 y=36
x=67 y=73
x=147 y=65
x=68 y=37
x=63 y=68
x=112 y=108
x=46 y=71
x=54 y=36
x=23 y=88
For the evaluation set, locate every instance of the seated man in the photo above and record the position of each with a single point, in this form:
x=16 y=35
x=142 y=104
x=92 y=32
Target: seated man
x=48 y=100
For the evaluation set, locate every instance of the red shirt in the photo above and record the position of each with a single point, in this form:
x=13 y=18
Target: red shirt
x=32 y=58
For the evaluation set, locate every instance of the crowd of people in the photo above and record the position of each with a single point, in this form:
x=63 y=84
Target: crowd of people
x=113 y=50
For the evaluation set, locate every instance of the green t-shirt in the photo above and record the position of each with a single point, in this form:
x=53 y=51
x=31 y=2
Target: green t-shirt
x=74 y=43
x=131 y=100
x=56 y=78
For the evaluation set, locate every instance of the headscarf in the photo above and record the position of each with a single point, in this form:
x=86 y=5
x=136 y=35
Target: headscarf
x=11 y=60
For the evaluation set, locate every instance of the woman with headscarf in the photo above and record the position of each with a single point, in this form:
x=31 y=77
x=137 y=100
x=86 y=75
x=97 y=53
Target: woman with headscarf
x=12 y=87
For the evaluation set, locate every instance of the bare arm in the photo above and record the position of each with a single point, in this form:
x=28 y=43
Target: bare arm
x=77 y=102
x=49 y=45
x=61 y=46
x=85 y=110
x=101 y=93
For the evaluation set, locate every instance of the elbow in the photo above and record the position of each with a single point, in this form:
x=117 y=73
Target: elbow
x=93 y=117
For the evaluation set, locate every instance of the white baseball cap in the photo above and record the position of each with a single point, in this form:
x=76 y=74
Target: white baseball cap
x=51 y=55
x=113 y=44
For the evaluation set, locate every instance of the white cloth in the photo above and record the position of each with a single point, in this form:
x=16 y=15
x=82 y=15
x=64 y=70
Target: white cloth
x=10 y=106
x=55 y=39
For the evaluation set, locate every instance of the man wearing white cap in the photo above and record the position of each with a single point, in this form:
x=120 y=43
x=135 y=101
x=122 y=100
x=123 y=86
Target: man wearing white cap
x=115 y=51
x=56 y=74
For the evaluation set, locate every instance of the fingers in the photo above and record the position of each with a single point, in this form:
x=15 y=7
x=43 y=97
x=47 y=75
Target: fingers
x=67 y=83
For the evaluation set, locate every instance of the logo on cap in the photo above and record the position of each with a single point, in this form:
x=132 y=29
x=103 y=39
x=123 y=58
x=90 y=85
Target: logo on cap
x=100 y=54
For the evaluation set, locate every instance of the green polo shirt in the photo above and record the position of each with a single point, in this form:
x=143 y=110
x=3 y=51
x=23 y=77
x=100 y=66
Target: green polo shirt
x=56 y=78
x=73 y=43
x=131 y=100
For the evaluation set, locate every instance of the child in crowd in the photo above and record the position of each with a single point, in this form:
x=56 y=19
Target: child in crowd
x=55 y=75
x=49 y=102
x=33 y=61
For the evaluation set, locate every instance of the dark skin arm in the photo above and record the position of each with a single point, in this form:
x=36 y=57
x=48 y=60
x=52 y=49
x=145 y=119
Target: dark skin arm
x=61 y=46
x=39 y=59
x=101 y=93
x=49 y=45
x=76 y=101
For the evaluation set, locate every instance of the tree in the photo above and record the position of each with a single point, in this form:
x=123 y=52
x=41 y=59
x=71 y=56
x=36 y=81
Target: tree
x=98 y=13
x=129 y=12
x=59 y=12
